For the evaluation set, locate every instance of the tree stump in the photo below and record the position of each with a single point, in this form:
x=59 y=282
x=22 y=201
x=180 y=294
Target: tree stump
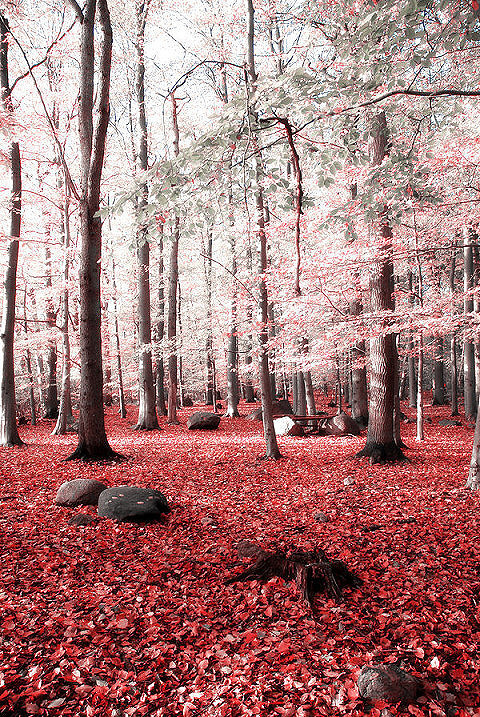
x=311 y=570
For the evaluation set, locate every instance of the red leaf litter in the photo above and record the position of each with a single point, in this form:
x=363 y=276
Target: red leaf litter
x=126 y=619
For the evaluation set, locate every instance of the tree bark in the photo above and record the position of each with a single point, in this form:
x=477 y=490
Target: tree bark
x=359 y=373
x=28 y=367
x=51 y=394
x=147 y=415
x=8 y=424
x=92 y=438
x=469 y=347
x=453 y=340
x=65 y=409
x=272 y=450
x=381 y=444
x=172 y=296
x=160 y=368
x=420 y=435
x=438 y=398
x=121 y=394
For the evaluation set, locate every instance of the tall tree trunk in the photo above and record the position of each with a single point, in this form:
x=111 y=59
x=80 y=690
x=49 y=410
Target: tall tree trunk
x=232 y=339
x=121 y=394
x=469 y=348
x=65 y=410
x=51 y=394
x=160 y=368
x=8 y=423
x=412 y=383
x=172 y=325
x=381 y=442
x=147 y=415
x=28 y=367
x=301 y=395
x=181 y=385
x=272 y=450
x=453 y=340
x=92 y=438
x=172 y=295
x=207 y=267
x=420 y=435
x=359 y=373
x=438 y=398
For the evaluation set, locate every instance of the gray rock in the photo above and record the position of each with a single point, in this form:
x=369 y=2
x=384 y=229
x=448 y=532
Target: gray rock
x=82 y=519
x=203 y=420
x=449 y=422
x=321 y=517
x=80 y=491
x=248 y=549
x=387 y=682
x=129 y=503
x=286 y=426
x=341 y=425
x=348 y=481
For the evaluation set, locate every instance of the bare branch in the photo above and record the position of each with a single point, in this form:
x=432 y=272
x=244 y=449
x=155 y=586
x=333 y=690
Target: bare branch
x=76 y=9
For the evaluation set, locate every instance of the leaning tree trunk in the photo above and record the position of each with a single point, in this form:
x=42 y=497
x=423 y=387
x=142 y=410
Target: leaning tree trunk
x=92 y=438
x=8 y=423
x=381 y=444
x=147 y=415
x=468 y=347
x=272 y=450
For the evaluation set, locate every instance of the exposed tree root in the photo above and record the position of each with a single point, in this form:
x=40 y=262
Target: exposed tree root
x=81 y=453
x=382 y=453
x=311 y=570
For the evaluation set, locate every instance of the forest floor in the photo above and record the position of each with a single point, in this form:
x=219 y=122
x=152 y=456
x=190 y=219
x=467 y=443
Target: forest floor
x=126 y=619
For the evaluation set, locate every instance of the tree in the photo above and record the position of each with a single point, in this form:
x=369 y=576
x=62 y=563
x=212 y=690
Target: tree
x=272 y=450
x=381 y=442
x=147 y=415
x=92 y=438
x=8 y=424
x=172 y=293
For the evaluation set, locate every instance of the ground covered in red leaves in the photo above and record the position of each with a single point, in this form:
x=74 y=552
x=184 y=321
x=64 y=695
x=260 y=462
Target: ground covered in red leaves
x=124 y=619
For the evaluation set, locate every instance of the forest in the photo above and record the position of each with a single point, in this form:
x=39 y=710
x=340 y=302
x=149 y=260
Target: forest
x=239 y=358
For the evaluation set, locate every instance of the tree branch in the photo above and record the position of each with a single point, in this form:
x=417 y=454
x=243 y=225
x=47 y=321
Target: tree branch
x=76 y=9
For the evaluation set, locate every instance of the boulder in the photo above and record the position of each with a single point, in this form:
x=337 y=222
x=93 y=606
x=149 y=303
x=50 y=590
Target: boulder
x=129 y=503
x=286 y=426
x=449 y=422
x=82 y=519
x=188 y=401
x=203 y=420
x=321 y=517
x=341 y=425
x=248 y=549
x=387 y=682
x=80 y=491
